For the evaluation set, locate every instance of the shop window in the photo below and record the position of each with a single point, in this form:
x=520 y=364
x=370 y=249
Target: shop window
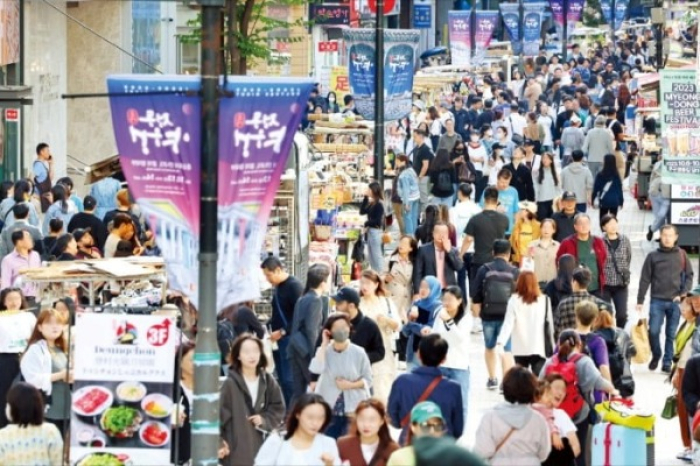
x=146 y=35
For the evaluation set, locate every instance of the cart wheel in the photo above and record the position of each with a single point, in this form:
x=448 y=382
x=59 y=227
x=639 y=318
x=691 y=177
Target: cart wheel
x=641 y=204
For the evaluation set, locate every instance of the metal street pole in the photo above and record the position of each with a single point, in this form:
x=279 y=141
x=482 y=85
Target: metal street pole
x=612 y=23
x=472 y=30
x=521 y=37
x=207 y=359
x=565 y=32
x=379 y=96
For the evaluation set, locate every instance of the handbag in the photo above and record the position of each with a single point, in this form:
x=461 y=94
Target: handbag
x=640 y=338
x=386 y=237
x=670 y=406
x=622 y=412
x=464 y=174
x=624 y=274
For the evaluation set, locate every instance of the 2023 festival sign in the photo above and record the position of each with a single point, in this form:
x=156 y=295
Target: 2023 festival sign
x=122 y=406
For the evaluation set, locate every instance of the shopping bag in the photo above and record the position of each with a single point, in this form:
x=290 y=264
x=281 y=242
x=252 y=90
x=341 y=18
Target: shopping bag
x=670 y=407
x=622 y=412
x=640 y=338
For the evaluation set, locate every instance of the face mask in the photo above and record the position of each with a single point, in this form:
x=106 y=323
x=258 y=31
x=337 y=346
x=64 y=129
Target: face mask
x=340 y=336
x=331 y=100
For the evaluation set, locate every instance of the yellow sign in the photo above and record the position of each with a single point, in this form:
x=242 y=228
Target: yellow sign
x=339 y=82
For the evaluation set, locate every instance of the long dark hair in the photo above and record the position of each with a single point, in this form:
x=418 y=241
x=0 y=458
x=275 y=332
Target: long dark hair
x=5 y=187
x=568 y=341
x=540 y=175
x=236 y=352
x=305 y=400
x=565 y=273
x=457 y=293
x=432 y=216
x=377 y=192
x=442 y=161
x=385 y=440
x=609 y=167
x=59 y=195
x=22 y=188
x=414 y=248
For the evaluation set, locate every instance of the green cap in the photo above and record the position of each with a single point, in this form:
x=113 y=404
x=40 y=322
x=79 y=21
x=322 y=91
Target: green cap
x=422 y=412
x=695 y=291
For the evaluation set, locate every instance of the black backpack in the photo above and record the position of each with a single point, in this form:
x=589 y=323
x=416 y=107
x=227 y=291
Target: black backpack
x=225 y=335
x=616 y=358
x=444 y=181
x=498 y=288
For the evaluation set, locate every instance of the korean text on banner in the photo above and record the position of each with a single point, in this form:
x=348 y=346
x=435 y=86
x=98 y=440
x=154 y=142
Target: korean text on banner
x=123 y=400
x=680 y=113
x=339 y=82
x=606 y=10
x=574 y=13
x=511 y=18
x=532 y=27
x=422 y=16
x=257 y=129
x=557 y=11
x=485 y=26
x=620 y=12
x=158 y=138
x=399 y=58
x=459 y=27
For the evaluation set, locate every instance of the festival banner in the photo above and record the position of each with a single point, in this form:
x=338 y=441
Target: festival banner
x=557 y=7
x=459 y=27
x=123 y=401
x=532 y=28
x=511 y=18
x=399 y=58
x=606 y=11
x=485 y=25
x=620 y=12
x=158 y=137
x=574 y=13
x=680 y=113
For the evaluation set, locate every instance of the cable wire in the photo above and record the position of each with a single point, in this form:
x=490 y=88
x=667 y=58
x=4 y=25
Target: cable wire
x=89 y=29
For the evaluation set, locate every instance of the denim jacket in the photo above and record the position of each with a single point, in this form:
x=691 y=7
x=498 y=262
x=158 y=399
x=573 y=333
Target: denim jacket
x=407 y=187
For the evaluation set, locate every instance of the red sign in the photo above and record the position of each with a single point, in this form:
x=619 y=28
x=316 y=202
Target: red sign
x=11 y=114
x=282 y=47
x=388 y=6
x=331 y=46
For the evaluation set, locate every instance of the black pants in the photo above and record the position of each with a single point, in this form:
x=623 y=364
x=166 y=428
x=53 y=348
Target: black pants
x=582 y=429
x=479 y=185
x=607 y=210
x=564 y=457
x=545 y=210
x=300 y=376
x=533 y=362
x=9 y=369
x=473 y=268
x=618 y=296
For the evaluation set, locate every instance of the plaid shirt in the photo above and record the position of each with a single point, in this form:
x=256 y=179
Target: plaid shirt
x=565 y=317
x=620 y=256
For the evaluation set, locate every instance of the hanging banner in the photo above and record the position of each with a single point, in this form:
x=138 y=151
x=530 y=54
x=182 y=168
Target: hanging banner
x=158 y=137
x=574 y=13
x=511 y=18
x=532 y=27
x=620 y=12
x=606 y=10
x=339 y=82
x=399 y=57
x=485 y=25
x=459 y=28
x=557 y=7
x=123 y=398
x=680 y=113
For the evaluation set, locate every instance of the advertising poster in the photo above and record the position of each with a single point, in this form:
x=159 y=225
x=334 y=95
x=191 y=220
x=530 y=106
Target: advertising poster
x=680 y=113
x=683 y=170
x=158 y=137
x=685 y=213
x=399 y=58
x=9 y=31
x=339 y=82
x=685 y=191
x=606 y=10
x=511 y=19
x=485 y=25
x=620 y=12
x=532 y=27
x=459 y=27
x=122 y=402
x=557 y=7
x=574 y=13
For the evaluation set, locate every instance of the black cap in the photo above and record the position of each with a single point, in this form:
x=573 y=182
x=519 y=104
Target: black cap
x=568 y=196
x=348 y=295
x=78 y=233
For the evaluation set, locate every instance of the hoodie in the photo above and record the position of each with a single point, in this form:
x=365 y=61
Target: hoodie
x=577 y=177
x=529 y=442
x=669 y=273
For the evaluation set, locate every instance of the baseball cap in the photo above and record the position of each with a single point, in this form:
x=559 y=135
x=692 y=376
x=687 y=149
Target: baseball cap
x=348 y=295
x=423 y=412
x=695 y=291
x=568 y=196
x=529 y=206
x=497 y=146
x=419 y=104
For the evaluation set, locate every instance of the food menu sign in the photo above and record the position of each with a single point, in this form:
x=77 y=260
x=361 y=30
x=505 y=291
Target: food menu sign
x=122 y=401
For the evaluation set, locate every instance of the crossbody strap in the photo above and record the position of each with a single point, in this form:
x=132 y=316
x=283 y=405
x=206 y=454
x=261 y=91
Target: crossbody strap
x=505 y=439
x=424 y=396
x=612 y=255
x=275 y=298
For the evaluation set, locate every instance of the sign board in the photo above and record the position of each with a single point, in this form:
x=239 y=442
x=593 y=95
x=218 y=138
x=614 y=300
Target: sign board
x=685 y=192
x=681 y=170
x=685 y=213
x=11 y=114
x=388 y=6
x=329 y=14
x=680 y=112
x=366 y=11
x=422 y=16
x=329 y=46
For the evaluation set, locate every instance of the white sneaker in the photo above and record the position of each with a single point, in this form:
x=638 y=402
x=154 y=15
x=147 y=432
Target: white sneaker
x=476 y=326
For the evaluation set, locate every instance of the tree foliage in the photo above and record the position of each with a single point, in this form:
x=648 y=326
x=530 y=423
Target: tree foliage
x=251 y=27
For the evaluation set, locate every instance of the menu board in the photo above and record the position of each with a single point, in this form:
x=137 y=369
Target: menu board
x=122 y=401
x=685 y=213
x=680 y=112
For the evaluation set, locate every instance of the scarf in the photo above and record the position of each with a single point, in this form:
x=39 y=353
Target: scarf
x=433 y=300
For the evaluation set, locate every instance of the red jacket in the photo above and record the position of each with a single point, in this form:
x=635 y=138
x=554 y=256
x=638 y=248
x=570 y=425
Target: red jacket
x=570 y=246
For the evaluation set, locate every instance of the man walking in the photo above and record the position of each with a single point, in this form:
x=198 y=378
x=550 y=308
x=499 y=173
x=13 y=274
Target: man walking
x=422 y=157
x=589 y=250
x=460 y=215
x=670 y=275
x=577 y=178
x=438 y=258
x=565 y=315
x=564 y=219
x=597 y=145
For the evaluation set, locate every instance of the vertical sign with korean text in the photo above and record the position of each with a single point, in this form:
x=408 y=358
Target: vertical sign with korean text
x=532 y=27
x=459 y=27
x=339 y=82
x=485 y=26
x=606 y=11
x=511 y=19
x=620 y=12
x=123 y=403
x=399 y=56
x=574 y=13
x=680 y=112
x=422 y=15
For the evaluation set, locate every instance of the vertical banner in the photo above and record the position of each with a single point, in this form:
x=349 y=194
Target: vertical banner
x=257 y=127
x=158 y=137
x=485 y=25
x=574 y=14
x=680 y=113
x=399 y=58
x=123 y=398
x=339 y=83
x=511 y=18
x=558 y=13
x=620 y=12
x=459 y=27
x=606 y=10
x=532 y=28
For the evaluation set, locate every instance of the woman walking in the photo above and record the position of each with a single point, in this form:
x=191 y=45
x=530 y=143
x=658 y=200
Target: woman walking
x=607 y=188
x=561 y=287
x=443 y=178
x=373 y=207
x=617 y=267
x=408 y=191
x=682 y=352
x=400 y=273
x=369 y=442
x=543 y=252
x=547 y=187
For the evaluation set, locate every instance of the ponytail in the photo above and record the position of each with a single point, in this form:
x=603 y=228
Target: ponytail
x=568 y=341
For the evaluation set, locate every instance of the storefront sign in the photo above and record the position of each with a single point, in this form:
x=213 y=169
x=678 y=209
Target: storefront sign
x=422 y=16
x=329 y=46
x=12 y=114
x=485 y=25
x=123 y=401
x=685 y=191
x=532 y=27
x=339 y=82
x=459 y=27
x=511 y=18
x=329 y=14
x=681 y=170
x=399 y=56
x=158 y=137
x=685 y=213
x=680 y=113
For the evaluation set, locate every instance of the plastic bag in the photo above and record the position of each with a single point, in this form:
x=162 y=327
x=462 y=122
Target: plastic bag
x=640 y=338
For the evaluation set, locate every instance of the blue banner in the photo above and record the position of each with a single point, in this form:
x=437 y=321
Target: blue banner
x=532 y=27
x=422 y=16
x=399 y=59
x=620 y=12
x=511 y=18
x=606 y=10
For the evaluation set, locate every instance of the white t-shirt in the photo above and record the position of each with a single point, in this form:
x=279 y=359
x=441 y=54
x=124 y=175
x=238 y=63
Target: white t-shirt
x=15 y=329
x=368 y=451
x=253 y=388
x=278 y=452
x=460 y=215
x=563 y=422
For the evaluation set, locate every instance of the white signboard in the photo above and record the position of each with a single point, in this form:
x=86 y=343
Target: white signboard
x=683 y=191
x=122 y=400
x=685 y=213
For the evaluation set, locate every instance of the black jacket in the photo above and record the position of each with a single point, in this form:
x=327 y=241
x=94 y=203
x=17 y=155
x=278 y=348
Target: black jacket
x=668 y=271
x=522 y=181
x=691 y=385
x=565 y=226
x=425 y=264
x=366 y=334
x=98 y=230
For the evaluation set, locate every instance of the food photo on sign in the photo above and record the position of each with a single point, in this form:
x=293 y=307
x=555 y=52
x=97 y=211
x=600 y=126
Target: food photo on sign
x=123 y=407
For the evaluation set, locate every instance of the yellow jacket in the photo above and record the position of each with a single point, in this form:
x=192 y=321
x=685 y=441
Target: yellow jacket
x=523 y=233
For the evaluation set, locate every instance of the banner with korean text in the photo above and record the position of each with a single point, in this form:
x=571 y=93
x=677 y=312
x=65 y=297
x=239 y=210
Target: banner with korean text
x=399 y=57
x=511 y=18
x=459 y=28
x=157 y=131
x=532 y=28
x=123 y=405
x=485 y=26
x=620 y=12
x=606 y=11
x=574 y=14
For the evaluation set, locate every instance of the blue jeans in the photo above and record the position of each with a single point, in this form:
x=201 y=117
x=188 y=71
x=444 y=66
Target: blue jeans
x=375 y=249
x=284 y=372
x=460 y=376
x=659 y=206
x=448 y=201
x=658 y=310
x=491 y=330
x=410 y=217
x=581 y=207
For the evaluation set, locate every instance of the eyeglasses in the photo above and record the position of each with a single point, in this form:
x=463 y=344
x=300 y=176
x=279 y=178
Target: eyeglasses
x=432 y=427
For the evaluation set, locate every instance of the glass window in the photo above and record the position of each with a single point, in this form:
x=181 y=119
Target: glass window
x=145 y=35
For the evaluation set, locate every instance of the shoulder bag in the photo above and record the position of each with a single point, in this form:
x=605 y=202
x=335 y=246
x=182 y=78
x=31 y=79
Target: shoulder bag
x=424 y=396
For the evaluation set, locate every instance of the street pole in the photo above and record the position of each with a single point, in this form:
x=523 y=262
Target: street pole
x=612 y=24
x=472 y=30
x=379 y=96
x=207 y=359
x=565 y=32
x=521 y=38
